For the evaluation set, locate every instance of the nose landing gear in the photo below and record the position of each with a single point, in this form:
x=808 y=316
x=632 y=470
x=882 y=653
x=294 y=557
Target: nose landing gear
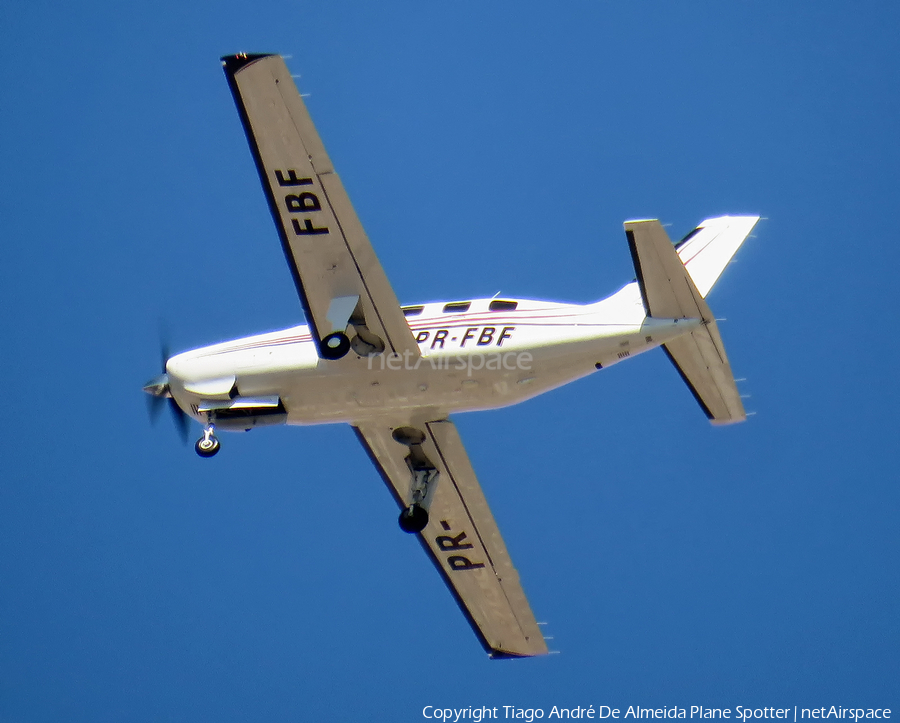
x=208 y=444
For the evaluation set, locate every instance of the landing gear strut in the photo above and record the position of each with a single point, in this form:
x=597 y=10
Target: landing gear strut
x=208 y=444
x=423 y=479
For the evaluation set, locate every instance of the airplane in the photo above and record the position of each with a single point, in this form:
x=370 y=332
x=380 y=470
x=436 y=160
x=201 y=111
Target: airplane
x=396 y=373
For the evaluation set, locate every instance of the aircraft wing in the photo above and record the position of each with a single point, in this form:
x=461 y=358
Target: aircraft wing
x=337 y=274
x=462 y=538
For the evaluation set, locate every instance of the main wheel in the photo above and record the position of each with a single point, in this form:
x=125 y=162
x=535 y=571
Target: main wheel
x=335 y=345
x=207 y=447
x=408 y=435
x=413 y=519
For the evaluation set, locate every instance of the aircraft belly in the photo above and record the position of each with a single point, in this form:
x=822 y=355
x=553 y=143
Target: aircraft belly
x=442 y=381
x=440 y=385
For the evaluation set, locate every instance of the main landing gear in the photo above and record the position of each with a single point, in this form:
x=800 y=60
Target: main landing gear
x=413 y=519
x=208 y=444
x=423 y=479
x=335 y=346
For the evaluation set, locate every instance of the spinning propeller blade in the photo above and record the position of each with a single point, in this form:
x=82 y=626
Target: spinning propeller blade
x=182 y=420
x=158 y=389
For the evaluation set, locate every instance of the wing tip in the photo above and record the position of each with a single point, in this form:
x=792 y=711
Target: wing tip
x=496 y=654
x=233 y=63
x=503 y=655
x=727 y=421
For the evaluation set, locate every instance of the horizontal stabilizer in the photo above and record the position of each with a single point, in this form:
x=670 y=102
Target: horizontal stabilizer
x=700 y=359
x=669 y=292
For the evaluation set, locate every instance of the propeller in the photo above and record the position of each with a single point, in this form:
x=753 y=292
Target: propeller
x=161 y=396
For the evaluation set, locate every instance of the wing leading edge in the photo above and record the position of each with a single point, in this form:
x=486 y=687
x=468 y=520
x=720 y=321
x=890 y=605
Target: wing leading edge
x=339 y=279
x=462 y=539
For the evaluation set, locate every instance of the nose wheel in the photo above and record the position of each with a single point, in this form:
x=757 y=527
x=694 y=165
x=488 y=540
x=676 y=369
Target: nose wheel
x=208 y=444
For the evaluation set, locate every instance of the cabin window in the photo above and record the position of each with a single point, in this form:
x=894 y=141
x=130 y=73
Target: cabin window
x=497 y=305
x=457 y=306
x=412 y=310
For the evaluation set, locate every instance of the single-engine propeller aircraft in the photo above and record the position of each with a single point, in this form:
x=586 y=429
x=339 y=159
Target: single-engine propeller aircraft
x=396 y=373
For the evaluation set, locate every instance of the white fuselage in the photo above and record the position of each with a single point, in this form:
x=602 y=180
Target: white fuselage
x=470 y=360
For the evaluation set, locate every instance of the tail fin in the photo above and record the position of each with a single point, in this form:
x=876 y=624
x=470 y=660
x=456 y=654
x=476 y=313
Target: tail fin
x=707 y=249
x=671 y=289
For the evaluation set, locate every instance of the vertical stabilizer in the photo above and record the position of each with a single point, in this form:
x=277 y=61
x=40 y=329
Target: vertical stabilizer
x=706 y=251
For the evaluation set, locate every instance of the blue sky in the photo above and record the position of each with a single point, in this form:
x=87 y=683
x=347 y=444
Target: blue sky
x=486 y=146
